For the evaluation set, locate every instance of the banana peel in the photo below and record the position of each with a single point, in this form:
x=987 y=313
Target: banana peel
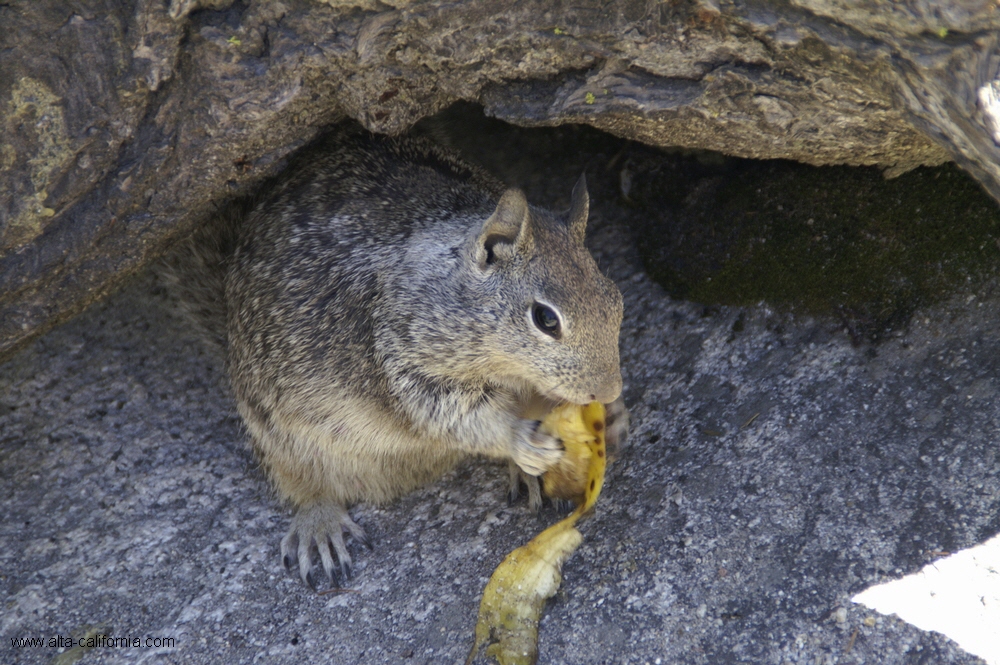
x=579 y=475
x=516 y=593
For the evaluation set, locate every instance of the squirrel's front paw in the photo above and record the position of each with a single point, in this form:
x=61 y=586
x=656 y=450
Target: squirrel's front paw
x=316 y=528
x=534 y=450
x=616 y=422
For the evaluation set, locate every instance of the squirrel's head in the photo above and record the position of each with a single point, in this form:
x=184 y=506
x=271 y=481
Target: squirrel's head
x=556 y=318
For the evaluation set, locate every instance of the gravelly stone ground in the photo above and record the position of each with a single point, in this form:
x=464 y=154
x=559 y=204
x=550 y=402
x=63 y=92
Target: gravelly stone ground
x=774 y=470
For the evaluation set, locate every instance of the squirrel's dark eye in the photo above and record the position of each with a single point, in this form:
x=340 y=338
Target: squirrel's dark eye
x=546 y=320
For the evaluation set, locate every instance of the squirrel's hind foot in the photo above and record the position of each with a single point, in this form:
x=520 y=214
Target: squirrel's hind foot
x=517 y=477
x=318 y=527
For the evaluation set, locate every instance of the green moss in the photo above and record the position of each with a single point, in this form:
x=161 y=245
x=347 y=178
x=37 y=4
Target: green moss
x=836 y=240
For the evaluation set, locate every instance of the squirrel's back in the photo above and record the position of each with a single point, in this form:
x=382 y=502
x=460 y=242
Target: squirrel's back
x=309 y=275
x=349 y=171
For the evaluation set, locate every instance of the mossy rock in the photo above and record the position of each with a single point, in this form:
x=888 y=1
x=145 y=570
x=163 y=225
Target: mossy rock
x=827 y=240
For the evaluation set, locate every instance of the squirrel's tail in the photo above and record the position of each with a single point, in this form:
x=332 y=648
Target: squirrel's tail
x=195 y=271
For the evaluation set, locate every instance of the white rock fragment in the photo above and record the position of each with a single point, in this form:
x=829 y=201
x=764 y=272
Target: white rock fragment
x=958 y=596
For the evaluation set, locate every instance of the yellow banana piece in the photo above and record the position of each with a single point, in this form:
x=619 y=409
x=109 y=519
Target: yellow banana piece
x=516 y=593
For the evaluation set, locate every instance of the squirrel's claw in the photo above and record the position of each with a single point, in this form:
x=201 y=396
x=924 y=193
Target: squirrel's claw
x=326 y=558
x=563 y=505
x=322 y=526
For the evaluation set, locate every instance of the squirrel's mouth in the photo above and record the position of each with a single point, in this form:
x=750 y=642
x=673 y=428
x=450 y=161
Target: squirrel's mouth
x=555 y=400
x=556 y=396
x=604 y=390
x=539 y=404
x=581 y=400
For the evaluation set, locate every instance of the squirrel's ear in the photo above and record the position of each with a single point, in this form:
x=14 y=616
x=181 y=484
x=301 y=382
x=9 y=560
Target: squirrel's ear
x=579 y=209
x=508 y=229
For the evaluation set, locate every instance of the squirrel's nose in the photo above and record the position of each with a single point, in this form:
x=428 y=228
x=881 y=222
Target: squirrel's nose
x=610 y=389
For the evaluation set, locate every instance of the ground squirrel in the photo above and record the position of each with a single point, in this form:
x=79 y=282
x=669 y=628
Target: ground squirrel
x=388 y=310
